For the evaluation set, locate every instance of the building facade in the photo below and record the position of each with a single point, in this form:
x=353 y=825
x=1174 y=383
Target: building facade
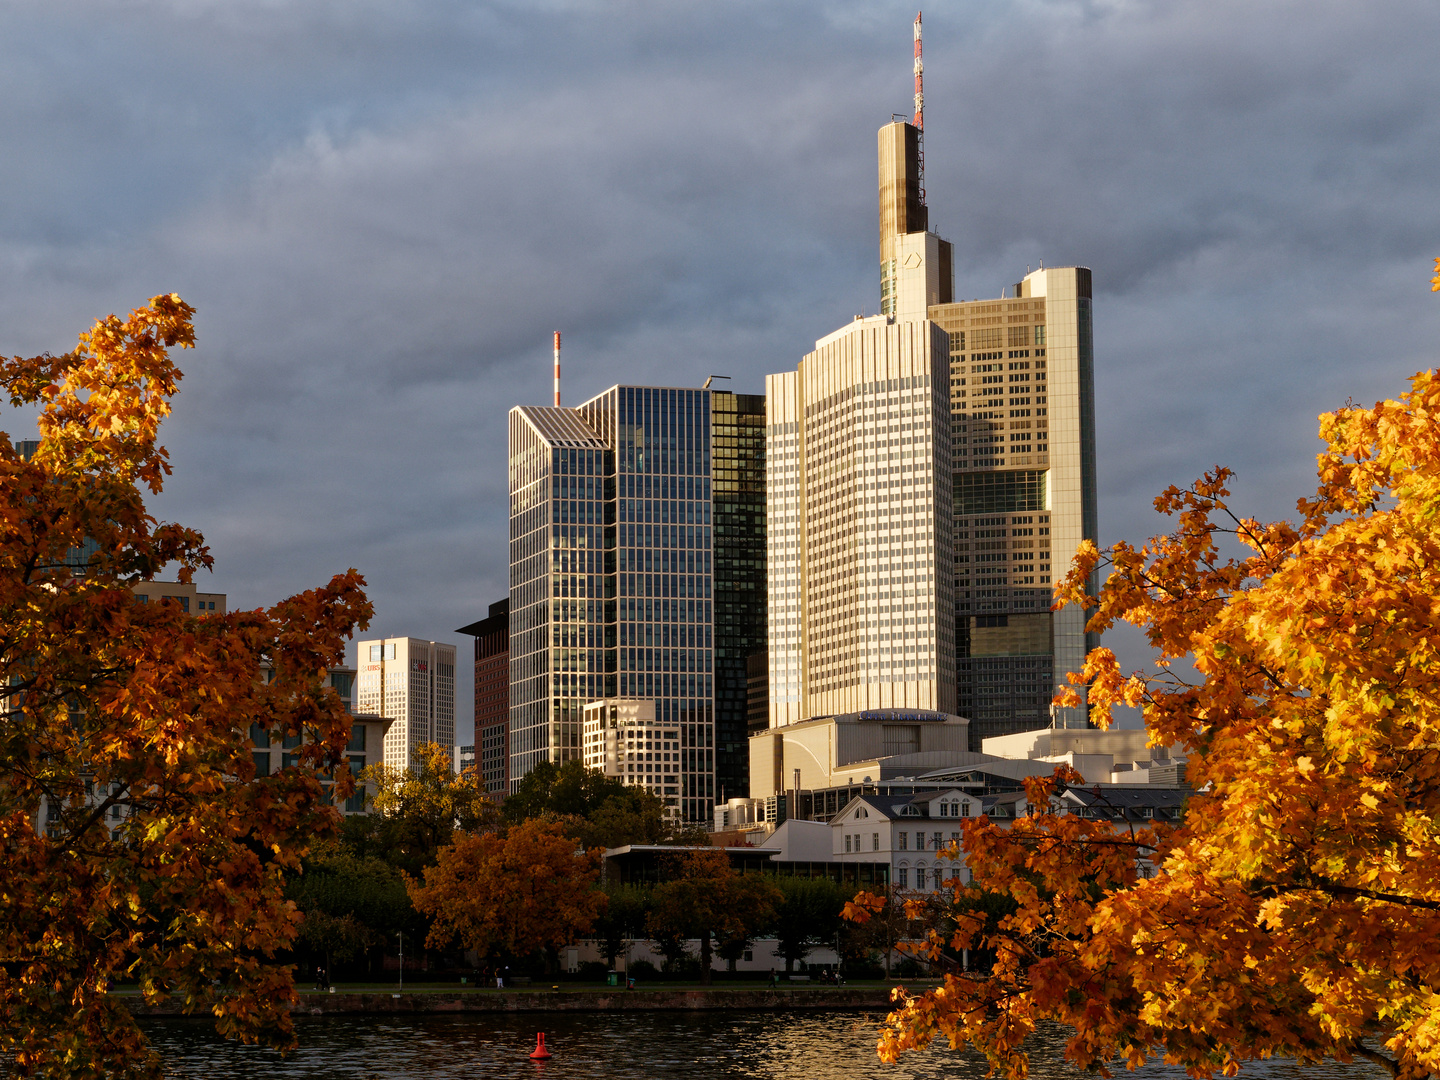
x=492 y=695
x=1022 y=395
x=859 y=483
x=737 y=435
x=613 y=573
x=411 y=682
x=930 y=474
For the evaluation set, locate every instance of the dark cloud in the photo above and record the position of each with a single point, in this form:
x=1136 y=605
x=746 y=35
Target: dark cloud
x=381 y=210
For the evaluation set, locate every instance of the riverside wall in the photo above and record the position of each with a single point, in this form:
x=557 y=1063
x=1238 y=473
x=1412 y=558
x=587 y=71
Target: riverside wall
x=618 y=1000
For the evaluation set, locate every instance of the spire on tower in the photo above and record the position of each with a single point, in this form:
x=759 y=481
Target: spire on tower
x=557 y=369
x=919 y=122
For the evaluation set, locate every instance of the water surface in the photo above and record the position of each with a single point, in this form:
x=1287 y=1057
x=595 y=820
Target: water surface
x=592 y=1046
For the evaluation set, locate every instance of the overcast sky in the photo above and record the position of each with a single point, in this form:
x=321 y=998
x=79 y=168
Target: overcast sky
x=382 y=209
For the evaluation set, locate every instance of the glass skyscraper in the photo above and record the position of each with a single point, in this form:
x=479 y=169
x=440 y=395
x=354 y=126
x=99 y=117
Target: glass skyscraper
x=612 y=579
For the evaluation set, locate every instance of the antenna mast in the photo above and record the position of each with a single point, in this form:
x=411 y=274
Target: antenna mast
x=920 y=107
x=557 y=369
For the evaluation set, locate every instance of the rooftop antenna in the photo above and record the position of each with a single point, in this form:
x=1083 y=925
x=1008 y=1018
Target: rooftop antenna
x=707 y=380
x=557 y=369
x=920 y=107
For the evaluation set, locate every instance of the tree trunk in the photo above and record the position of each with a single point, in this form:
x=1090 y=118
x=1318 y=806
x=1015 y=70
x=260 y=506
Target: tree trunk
x=705 y=958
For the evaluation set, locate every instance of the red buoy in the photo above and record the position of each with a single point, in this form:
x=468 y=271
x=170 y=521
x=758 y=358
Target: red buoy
x=540 y=1053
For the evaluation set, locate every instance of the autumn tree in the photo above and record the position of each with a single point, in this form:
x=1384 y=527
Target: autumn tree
x=137 y=841
x=420 y=809
x=519 y=892
x=1297 y=910
x=705 y=899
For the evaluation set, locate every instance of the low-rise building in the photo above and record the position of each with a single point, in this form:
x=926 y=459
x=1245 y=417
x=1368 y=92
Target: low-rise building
x=910 y=834
x=185 y=594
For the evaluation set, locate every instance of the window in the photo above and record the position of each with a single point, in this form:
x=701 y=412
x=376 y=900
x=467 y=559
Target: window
x=262 y=764
x=920 y=878
x=875 y=841
x=944 y=809
x=919 y=841
x=937 y=841
x=902 y=878
x=965 y=809
x=902 y=841
x=847 y=843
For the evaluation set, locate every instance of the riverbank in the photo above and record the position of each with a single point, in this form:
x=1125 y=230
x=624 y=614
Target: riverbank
x=601 y=999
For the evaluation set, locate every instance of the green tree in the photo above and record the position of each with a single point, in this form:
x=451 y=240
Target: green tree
x=808 y=915
x=355 y=900
x=419 y=810
x=136 y=841
x=623 y=919
x=598 y=810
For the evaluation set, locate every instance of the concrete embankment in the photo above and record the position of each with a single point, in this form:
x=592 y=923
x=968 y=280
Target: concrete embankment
x=339 y=1004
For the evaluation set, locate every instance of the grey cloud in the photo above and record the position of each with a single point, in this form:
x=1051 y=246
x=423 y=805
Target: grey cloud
x=381 y=210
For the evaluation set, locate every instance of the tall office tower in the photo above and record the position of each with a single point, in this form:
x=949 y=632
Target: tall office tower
x=411 y=682
x=612 y=557
x=1023 y=409
x=859 y=477
x=737 y=437
x=492 y=695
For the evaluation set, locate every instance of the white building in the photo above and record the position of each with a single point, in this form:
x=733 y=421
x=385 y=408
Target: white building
x=623 y=740
x=910 y=832
x=411 y=682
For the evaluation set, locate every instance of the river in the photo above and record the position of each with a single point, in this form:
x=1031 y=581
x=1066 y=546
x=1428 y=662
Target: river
x=720 y=1045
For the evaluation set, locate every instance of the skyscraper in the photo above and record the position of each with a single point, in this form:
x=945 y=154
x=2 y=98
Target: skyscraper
x=930 y=471
x=411 y=682
x=1023 y=412
x=613 y=588
x=859 y=478
x=737 y=435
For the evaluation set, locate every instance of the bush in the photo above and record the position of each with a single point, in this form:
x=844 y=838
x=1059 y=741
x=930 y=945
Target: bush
x=592 y=971
x=643 y=969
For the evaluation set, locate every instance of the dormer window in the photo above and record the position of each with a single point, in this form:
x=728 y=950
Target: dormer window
x=944 y=810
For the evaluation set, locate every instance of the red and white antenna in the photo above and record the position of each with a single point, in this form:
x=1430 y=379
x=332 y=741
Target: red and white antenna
x=920 y=106
x=557 y=369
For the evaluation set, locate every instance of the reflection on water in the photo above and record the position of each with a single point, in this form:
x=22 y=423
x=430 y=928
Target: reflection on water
x=723 y=1045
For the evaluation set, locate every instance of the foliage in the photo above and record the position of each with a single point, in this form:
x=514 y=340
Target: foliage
x=808 y=915
x=623 y=919
x=360 y=902
x=598 y=810
x=706 y=899
x=514 y=893
x=890 y=924
x=418 y=810
x=1297 y=910
x=137 y=841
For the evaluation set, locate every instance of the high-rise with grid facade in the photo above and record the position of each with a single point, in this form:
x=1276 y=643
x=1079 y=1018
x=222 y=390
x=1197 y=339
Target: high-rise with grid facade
x=1023 y=417
x=623 y=588
x=931 y=470
x=411 y=682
